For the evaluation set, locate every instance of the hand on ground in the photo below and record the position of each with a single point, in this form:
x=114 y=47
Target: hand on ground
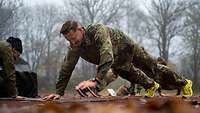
x=85 y=84
x=52 y=97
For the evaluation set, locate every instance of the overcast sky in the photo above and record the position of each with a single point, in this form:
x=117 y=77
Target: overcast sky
x=33 y=2
x=142 y=3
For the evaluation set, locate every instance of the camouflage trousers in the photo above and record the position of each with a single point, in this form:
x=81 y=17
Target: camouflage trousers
x=7 y=85
x=131 y=89
x=169 y=79
x=144 y=70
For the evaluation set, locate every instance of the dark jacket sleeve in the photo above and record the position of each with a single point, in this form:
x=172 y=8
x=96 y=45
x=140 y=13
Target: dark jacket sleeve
x=103 y=42
x=66 y=70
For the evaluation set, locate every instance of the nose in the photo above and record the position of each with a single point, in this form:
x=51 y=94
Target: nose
x=18 y=54
x=73 y=42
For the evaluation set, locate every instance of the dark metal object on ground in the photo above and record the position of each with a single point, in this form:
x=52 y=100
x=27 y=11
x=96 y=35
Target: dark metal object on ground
x=83 y=93
x=93 y=91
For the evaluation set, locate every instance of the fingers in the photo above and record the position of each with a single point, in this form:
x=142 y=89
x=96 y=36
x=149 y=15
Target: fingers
x=52 y=97
x=47 y=97
x=56 y=97
x=85 y=84
x=82 y=85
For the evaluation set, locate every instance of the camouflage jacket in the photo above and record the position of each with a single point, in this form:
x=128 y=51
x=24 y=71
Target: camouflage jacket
x=101 y=45
x=7 y=73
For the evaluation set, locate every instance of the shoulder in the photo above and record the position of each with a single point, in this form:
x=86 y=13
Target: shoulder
x=5 y=47
x=4 y=44
x=94 y=30
x=94 y=27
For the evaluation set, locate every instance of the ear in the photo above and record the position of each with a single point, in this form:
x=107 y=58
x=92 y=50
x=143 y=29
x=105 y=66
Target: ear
x=81 y=30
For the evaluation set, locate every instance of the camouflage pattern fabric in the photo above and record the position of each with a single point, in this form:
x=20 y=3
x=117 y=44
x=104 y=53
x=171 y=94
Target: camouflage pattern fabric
x=108 y=78
x=110 y=49
x=107 y=48
x=169 y=79
x=127 y=90
x=7 y=74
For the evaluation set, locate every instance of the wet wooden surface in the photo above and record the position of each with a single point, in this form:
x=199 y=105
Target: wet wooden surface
x=129 y=104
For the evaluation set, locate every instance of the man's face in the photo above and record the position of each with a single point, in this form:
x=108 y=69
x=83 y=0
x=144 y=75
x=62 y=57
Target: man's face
x=74 y=37
x=16 y=54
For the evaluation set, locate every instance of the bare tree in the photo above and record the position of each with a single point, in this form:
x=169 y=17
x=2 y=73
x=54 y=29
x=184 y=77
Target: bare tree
x=49 y=17
x=95 y=11
x=42 y=47
x=8 y=17
x=192 y=42
x=33 y=41
x=135 y=21
x=165 y=23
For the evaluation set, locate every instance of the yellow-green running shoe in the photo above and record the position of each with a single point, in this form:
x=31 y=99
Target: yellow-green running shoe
x=187 y=89
x=151 y=91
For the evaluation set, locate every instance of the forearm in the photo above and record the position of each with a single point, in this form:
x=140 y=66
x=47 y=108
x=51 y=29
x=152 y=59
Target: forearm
x=103 y=68
x=66 y=70
x=104 y=44
x=108 y=78
x=61 y=84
